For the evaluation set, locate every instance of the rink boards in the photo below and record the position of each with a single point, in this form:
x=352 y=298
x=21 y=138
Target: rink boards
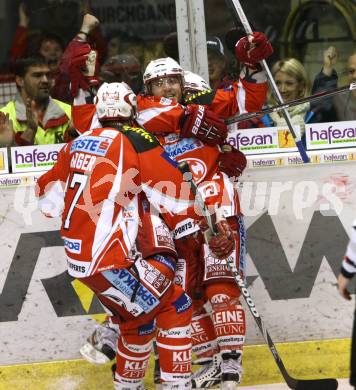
x=298 y=218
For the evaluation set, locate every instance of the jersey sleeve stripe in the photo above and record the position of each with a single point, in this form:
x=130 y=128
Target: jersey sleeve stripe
x=150 y=113
x=241 y=98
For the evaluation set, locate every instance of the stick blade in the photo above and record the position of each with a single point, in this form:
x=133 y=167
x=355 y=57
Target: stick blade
x=317 y=384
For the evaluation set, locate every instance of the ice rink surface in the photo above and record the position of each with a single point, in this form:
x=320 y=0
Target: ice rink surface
x=343 y=385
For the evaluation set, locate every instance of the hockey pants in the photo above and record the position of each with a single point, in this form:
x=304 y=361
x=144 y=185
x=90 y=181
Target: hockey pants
x=167 y=315
x=222 y=327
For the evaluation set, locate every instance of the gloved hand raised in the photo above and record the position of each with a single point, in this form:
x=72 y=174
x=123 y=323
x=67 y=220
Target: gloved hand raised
x=252 y=49
x=231 y=161
x=80 y=62
x=203 y=124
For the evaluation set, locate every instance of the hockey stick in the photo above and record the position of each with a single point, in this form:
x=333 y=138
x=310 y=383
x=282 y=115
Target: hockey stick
x=188 y=176
x=292 y=103
x=238 y=11
x=295 y=384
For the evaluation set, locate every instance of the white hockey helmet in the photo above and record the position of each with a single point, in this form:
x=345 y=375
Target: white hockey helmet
x=162 y=67
x=194 y=83
x=115 y=101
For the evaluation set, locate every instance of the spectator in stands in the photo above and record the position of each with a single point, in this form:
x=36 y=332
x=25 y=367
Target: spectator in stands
x=292 y=81
x=123 y=67
x=219 y=76
x=341 y=107
x=51 y=47
x=217 y=62
x=152 y=51
x=35 y=116
x=345 y=104
x=118 y=68
x=48 y=45
x=170 y=46
x=325 y=80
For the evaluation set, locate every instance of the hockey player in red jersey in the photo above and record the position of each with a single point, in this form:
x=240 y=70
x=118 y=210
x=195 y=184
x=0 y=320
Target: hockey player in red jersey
x=203 y=274
x=101 y=173
x=191 y=135
x=212 y=339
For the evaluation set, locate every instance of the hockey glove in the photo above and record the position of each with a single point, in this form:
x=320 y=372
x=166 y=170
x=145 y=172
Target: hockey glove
x=232 y=161
x=223 y=243
x=252 y=49
x=203 y=124
x=81 y=63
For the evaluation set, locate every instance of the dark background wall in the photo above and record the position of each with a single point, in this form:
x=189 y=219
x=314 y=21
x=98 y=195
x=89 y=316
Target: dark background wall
x=300 y=28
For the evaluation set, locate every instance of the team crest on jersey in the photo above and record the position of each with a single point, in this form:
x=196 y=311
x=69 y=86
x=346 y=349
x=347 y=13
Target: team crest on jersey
x=197 y=167
x=91 y=144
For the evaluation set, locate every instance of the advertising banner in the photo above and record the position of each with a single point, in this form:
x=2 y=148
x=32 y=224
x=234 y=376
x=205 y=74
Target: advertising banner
x=298 y=220
x=4 y=162
x=262 y=140
x=17 y=180
x=292 y=159
x=330 y=135
x=129 y=16
x=34 y=158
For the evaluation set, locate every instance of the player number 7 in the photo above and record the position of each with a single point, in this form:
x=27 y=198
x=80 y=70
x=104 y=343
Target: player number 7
x=77 y=178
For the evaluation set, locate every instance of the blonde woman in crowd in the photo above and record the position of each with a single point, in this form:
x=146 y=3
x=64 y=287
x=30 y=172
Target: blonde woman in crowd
x=292 y=82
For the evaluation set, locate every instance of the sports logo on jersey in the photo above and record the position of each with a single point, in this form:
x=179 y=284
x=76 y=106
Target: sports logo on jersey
x=165 y=101
x=127 y=284
x=171 y=138
x=219 y=298
x=166 y=261
x=91 y=144
x=183 y=146
x=165 y=155
x=129 y=213
x=181 y=273
x=216 y=268
x=147 y=328
x=138 y=130
x=72 y=245
x=183 y=303
x=197 y=167
x=184 y=228
x=163 y=236
x=140 y=139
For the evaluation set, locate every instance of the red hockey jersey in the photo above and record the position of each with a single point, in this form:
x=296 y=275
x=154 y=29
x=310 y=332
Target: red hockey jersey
x=162 y=116
x=101 y=173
